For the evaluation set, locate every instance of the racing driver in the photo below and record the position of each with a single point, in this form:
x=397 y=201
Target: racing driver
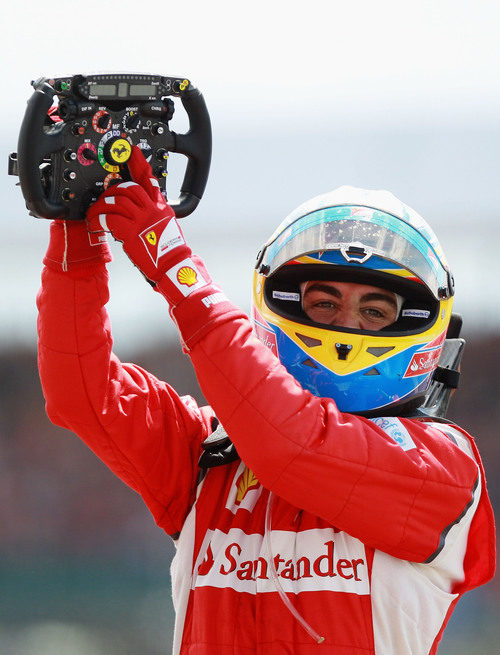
x=314 y=505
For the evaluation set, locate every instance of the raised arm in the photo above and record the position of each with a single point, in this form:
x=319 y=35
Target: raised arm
x=136 y=424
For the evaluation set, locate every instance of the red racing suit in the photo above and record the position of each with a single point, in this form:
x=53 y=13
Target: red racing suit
x=331 y=532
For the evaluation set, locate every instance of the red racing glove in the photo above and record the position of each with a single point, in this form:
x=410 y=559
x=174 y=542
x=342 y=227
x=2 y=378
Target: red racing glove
x=137 y=215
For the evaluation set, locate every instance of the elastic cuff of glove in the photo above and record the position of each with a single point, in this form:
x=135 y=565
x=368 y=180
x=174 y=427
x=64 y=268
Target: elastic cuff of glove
x=196 y=303
x=73 y=248
x=199 y=314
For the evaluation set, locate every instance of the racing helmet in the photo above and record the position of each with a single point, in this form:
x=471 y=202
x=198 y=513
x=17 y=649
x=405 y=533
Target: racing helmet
x=372 y=238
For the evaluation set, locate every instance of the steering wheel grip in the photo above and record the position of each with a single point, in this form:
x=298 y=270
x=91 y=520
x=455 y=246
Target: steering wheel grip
x=33 y=145
x=196 y=144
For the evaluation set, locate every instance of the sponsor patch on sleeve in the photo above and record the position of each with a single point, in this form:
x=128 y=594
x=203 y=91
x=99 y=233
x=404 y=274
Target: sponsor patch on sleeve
x=396 y=430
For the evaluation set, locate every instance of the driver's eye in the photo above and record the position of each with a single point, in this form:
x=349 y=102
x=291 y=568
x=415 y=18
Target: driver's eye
x=373 y=312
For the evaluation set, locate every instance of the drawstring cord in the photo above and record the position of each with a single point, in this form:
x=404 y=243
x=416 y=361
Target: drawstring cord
x=65 y=254
x=274 y=575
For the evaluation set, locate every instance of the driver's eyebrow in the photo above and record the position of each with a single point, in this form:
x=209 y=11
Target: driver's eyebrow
x=317 y=286
x=373 y=295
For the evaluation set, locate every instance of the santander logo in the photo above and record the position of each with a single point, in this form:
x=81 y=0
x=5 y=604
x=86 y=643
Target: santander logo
x=208 y=562
x=306 y=561
x=264 y=332
x=425 y=361
x=422 y=363
x=325 y=565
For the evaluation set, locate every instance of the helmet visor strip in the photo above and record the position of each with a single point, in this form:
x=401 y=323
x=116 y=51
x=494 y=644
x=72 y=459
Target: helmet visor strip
x=358 y=237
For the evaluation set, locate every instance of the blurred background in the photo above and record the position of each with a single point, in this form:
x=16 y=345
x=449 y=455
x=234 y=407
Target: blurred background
x=393 y=94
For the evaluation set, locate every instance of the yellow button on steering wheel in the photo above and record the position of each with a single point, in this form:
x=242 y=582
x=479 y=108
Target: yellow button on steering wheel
x=120 y=151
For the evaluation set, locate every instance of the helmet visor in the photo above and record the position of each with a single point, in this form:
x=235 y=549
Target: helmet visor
x=359 y=233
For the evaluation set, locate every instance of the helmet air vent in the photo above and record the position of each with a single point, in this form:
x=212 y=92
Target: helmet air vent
x=343 y=349
x=372 y=371
x=309 y=362
x=310 y=342
x=356 y=252
x=378 y=351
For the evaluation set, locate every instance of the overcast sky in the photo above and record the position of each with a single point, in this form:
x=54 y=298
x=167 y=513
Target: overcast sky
x=303 y=97
x=384 y=60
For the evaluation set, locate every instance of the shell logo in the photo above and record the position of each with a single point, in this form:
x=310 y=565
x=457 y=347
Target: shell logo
x=245 y=482
x=187 y=275
x=151 y=237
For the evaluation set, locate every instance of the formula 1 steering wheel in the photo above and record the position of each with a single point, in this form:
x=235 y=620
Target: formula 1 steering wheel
x=77 y=134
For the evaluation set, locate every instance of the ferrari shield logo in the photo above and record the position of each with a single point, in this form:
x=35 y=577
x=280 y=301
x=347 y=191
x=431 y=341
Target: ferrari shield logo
x=151 y=237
